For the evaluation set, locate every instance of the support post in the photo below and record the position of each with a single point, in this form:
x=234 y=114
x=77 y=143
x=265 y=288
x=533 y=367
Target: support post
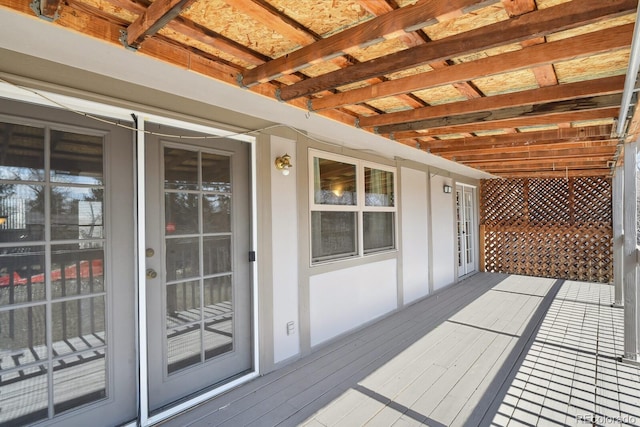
x=630 y=261
x=618 y=236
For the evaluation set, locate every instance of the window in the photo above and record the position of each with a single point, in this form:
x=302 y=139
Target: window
x=352 y=207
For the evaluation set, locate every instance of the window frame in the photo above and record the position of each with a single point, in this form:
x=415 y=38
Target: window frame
x=360 y=207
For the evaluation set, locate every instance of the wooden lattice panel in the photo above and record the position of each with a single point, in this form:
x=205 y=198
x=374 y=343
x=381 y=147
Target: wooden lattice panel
x=559 y=228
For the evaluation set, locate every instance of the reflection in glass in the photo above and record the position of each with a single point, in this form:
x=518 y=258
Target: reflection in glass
x=22 y=333
x=29 y=398
x=333 y=235
x=378 y=231
x=183 y=303
x=23 y=206
x=181 y=213
x=183 y=347
x=216 y=173
x=78 y=324
x=216 y=213
x=216 y=254
x=182 y=258
x=378 y=187
x=218 y=336
x=218 y=296
x=78 y=380
x=76 y=213
x=334 y=182
x=76 y=158
x=76 y=269
x=180 y=169
x=22 y=274
x=22 y=153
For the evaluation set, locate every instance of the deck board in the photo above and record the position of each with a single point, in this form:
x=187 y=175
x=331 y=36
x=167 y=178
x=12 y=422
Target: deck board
x=494 y=350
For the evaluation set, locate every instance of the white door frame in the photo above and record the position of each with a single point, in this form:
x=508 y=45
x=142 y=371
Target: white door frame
x=73 y=104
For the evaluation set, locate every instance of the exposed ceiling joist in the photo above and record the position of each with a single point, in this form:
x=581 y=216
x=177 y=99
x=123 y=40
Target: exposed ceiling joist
x=535 y=24
x=549 y=94
x=389 y=25
x=571 y=48
x=154 y=18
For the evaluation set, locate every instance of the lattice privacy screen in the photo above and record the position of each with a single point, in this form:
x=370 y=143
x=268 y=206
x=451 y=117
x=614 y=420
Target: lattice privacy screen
x=560 y=228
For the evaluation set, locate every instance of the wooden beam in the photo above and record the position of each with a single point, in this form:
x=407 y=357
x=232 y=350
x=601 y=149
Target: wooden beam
x=518 y=7
x=514 y=122
x=524 y=111
x=583 y=89
x=153 y=19
x=389 y=25
x=538 y=154
x=535 y=24
x=198 y=32
x=571 y=48
x=49 y=8
x=545 y=145
x=585 y=133
x=542 y=165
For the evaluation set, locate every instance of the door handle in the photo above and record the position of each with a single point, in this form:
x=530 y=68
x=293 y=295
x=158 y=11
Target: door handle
x=151 y=273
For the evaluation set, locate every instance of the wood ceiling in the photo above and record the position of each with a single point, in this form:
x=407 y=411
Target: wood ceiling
x=513 y=87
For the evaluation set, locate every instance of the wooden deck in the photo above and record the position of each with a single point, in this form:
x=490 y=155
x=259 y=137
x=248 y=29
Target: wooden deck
x=492 y=350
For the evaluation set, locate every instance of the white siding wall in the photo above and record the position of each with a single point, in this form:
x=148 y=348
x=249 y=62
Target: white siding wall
x=443 y=232
x=284 y=206
x=415 y=236
x=345 y=299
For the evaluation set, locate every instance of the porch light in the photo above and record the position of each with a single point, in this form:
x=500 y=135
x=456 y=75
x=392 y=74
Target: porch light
x=283 y=164
x=446 y=188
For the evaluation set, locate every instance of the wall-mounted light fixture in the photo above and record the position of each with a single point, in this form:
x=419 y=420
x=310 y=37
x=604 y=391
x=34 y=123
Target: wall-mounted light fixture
x=446 y=188
x=283 y=164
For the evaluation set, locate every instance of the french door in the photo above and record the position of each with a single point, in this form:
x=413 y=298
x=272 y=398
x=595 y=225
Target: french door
x=198 y=267
x=67 y=288
x=466 y=229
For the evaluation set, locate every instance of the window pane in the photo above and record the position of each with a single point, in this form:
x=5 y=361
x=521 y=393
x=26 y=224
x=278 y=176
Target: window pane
x=333 y=235
x=378 y=231
x=22 y=154
x=216 y=173
x=183 y=303
x=76 y=269
x=183 y=258
x=378 y=187
x=183 y=347
x=22 y=335
x=334 y=182
x=181 y=213
x=29 y=398
x=217 y=254
x=79 y=379
x=180 y=169
x=78 y=325
x=76 y=158
x=218 y=336
x=218 y=296
x=76 y=213
x=216 y=213
x=22 y=210
x=22 y=275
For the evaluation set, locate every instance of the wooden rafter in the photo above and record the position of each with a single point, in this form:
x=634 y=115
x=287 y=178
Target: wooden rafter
x=534 y=24
x=587 y=133
x=153 y=19
x=583 y=89
x=545 y=145
x=571 y=48
x=514 y=122
x=389 y=25
x=529 y=110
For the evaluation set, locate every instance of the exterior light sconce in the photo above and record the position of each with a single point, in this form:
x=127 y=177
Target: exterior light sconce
x=446 y=189
x=283 y=164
